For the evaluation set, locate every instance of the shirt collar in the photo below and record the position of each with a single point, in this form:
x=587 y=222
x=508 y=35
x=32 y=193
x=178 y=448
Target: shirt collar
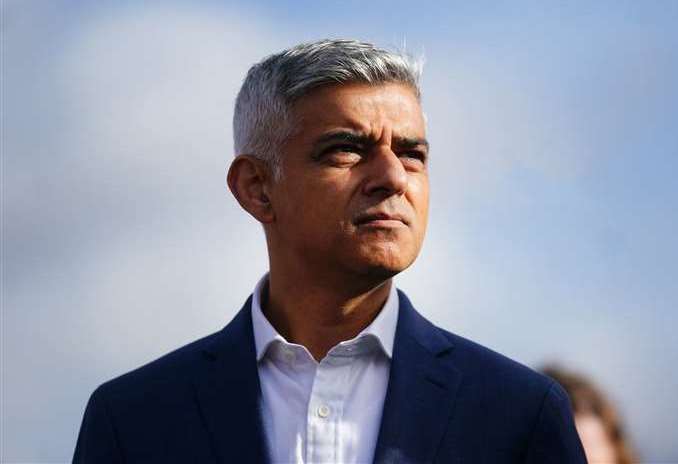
x=382 y=328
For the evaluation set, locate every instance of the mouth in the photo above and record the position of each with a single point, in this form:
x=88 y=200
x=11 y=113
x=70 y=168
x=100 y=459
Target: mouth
x=381 y=220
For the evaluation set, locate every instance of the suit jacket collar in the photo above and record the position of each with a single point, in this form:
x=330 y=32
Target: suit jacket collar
x=422 y=388
x=418 y=406
x=229 y=394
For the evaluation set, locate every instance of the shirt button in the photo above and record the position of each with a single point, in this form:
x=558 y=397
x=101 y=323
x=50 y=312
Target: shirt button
x=323 y=411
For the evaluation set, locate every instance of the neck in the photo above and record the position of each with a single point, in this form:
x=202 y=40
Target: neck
x=318 y=313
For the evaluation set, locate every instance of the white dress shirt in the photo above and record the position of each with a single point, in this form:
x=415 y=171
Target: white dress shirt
x=326 y=412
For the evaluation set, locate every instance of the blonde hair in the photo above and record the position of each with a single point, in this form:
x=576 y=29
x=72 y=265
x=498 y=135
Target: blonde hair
x=586 y=398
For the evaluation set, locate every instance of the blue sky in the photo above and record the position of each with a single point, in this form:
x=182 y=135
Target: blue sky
x=553 y=215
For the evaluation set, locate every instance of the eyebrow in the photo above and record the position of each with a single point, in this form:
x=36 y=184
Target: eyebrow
x=359 y=138
x=411 y=142
x=343 y=136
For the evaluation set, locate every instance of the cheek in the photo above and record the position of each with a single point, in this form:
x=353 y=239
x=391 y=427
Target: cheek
x=315 y=209
x=418 y=193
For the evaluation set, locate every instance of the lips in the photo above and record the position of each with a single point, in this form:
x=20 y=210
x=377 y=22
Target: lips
x=376 y=217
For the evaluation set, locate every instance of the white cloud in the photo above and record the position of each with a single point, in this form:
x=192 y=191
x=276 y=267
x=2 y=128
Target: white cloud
x=123 y=241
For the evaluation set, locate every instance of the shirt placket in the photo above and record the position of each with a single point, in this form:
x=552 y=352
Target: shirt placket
x=325 y=410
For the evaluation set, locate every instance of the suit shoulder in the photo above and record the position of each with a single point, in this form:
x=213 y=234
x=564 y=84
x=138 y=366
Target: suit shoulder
x=493 y=368
x=483 y=369
x=169 y=370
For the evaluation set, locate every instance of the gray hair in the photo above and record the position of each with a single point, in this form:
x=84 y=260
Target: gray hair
x=262 y=118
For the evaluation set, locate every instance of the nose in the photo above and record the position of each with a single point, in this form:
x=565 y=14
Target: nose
x=387 y=175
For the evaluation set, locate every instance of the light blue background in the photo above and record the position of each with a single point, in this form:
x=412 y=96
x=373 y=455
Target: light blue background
x=554 y=196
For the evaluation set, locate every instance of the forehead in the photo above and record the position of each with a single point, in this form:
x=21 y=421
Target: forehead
x=366 y=108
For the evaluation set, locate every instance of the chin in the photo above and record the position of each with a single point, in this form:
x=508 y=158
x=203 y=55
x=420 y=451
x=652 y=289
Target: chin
x=384 y=262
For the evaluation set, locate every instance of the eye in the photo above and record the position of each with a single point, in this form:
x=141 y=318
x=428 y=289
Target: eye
x=415 y=156
x=343 y=148
x=342 y=154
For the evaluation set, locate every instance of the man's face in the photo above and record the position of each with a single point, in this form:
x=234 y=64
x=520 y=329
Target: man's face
x=354 y=191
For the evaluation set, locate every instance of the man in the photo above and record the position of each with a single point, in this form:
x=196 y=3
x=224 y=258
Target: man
x=327 y=361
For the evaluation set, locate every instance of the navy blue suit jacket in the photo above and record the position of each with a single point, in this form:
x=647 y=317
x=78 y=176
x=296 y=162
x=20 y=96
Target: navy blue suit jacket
x=449 y=400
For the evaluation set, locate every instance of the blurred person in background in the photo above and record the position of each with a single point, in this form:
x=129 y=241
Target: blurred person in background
x=598 y=423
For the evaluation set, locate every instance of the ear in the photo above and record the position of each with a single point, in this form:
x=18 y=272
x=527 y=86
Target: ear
x=248 y=179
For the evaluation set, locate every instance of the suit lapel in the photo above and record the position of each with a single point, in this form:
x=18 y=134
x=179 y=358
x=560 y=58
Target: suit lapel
x=228 y=393
x=421 y=391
